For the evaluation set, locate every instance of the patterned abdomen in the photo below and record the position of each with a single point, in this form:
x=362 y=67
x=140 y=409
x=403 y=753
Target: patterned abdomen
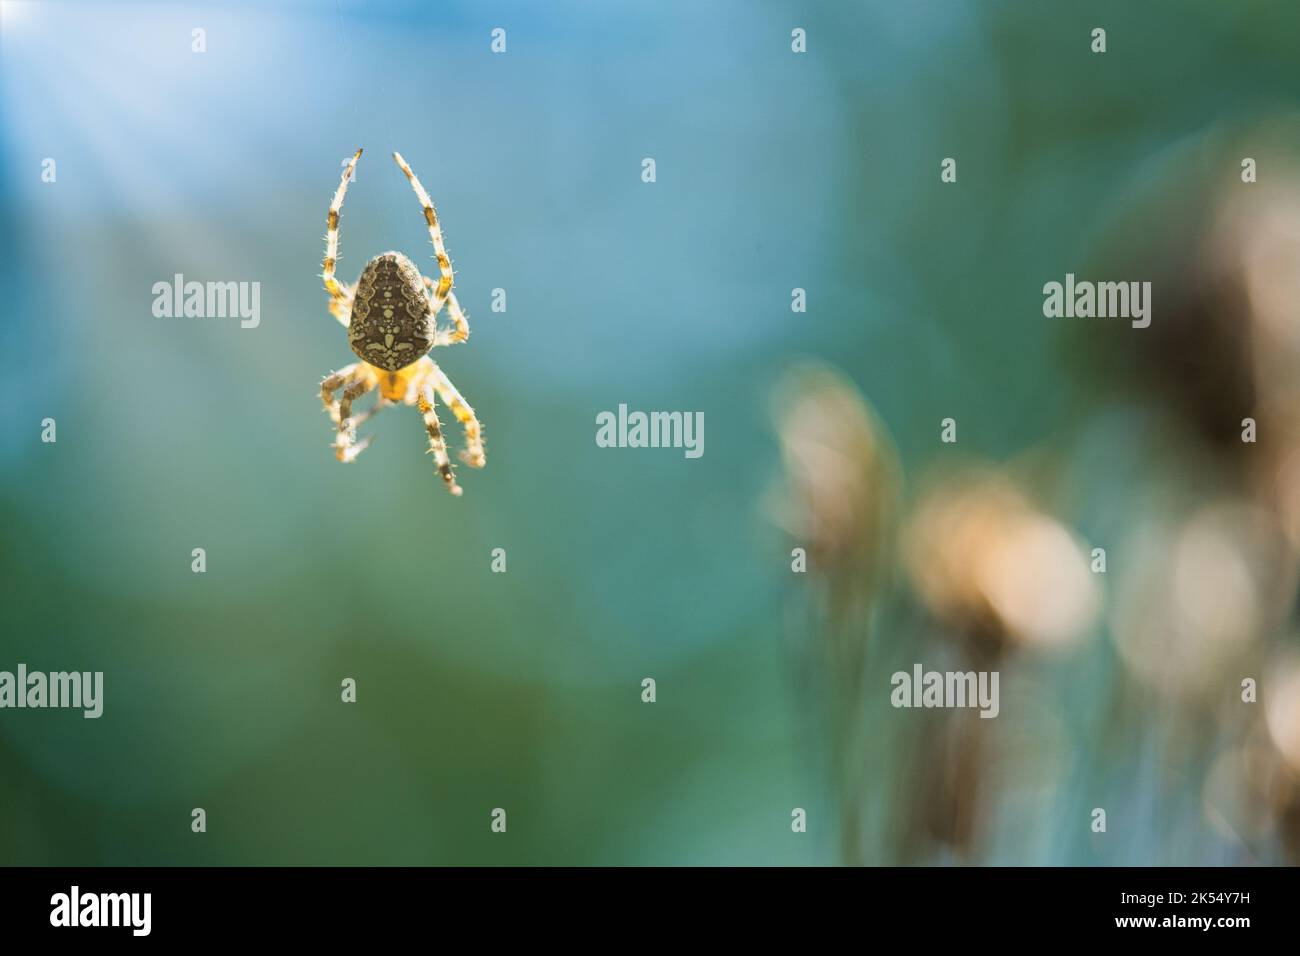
x=390 y=325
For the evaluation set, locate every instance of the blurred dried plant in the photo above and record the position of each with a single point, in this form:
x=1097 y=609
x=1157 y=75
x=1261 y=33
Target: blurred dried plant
x=994 y=568
x=993 y=573
x=1203 y=530
x=839 y=505
x=1212 y=568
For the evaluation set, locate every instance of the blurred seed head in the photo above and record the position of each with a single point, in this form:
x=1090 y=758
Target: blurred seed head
x=1224 y=260
x=1252 y=792
x=1254 y=240
x=985 y=560
x=1200 y=589
x=841 y=472
x=1281 y=698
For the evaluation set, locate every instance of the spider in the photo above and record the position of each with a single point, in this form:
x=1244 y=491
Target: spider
x=391 y=317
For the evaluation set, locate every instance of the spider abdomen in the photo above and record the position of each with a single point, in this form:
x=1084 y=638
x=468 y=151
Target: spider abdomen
x=390 y=325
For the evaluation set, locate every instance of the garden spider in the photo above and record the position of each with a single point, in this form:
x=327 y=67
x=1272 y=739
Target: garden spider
x=391 y=317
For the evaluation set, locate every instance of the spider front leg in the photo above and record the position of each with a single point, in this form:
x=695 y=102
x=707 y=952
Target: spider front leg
x=356 y=381
x=340 y=294
x=346 y=446
x=454 y=336
x=332 y=384
x=473 y=455
x=443 y=288
x=437 y=444
x=351 y=451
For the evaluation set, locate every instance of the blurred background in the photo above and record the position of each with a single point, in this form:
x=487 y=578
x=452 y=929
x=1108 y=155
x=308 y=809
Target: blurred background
x=1120 y=689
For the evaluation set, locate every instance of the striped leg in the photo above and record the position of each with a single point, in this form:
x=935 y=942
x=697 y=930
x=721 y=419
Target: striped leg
x=340 y=295
x=346 y=446
x=435 y=233
x=448 y=336
x=332 y=384
x=369 y=413
x=353 y=449
x=473 y=455
x=437 y=444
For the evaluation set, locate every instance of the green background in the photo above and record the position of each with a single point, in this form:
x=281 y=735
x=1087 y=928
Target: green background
x=522 y=690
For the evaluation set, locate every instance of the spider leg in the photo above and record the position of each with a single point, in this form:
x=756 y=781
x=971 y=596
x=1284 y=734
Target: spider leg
x=351 y=451
x=356 y=380
x=332 y=384
x=360 y=419
x=437 y=444
x=473 y=455
x=435 y=233
x=341 y=306
x=340 y=294
x=448 y=336
x=346 y=446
